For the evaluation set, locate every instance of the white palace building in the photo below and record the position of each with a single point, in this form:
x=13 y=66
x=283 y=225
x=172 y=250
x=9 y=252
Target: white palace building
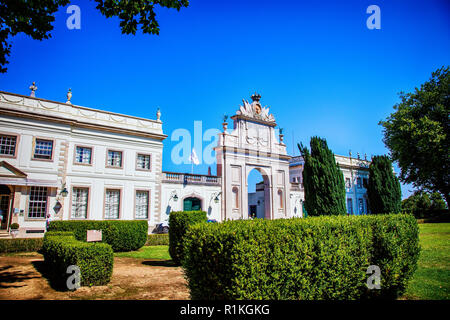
x=68 y=162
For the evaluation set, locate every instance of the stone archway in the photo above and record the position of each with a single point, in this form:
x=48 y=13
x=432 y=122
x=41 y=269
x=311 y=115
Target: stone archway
x=252 y=144
x=265 y=206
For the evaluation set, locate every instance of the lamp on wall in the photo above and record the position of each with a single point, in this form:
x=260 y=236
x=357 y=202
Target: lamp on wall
x=174 y=196
x=216 y=196
x=64 y=191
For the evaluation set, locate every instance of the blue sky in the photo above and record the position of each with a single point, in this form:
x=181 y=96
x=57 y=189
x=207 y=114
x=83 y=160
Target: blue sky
x=315 y=63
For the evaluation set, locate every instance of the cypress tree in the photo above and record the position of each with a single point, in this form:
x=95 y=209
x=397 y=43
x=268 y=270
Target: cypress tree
x=323 y=181
x=383 y=189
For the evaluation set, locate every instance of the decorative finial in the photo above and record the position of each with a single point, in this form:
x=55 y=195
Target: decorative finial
x=365 y=156
x=158 y=115
x=350 y=153
x=69 y=96
x=256 y=97
x=359 y=157
x=33 y=88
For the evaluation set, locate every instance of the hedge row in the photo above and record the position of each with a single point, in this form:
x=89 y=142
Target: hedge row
x=161 y=239
x=314 y=258
x=179 y=222
x=95 y=260
x=123 y=235
x=20 y=245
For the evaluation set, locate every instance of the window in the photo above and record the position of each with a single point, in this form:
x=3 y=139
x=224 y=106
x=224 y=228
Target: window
x=43 y=149
x=37 y=205
x=365 y=182
x=348 y=183
x=349 y=206
x=141 y=210
x=80 y=200
x=235 y=191
x=361 y=206
x=112 y=204
x=114 y=159
x=8 y=145
x=143 y=161
x=83 y=155
x=359 y=182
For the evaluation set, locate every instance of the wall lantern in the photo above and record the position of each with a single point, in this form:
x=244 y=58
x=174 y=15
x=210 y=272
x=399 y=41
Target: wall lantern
x=216 y=198
x=64 y=191
x=174 y=196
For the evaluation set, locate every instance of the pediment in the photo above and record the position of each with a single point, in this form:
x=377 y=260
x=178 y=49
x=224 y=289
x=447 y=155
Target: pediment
x=9 y=171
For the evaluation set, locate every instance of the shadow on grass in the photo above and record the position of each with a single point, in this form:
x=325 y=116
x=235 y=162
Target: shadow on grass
x=9 y=278
x=56 y=283
x=160 y=263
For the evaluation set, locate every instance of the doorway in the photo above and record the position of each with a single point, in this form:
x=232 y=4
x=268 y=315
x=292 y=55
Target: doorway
x=5 y=200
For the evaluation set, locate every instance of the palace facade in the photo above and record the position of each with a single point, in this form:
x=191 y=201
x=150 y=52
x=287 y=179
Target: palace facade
x=68 y=162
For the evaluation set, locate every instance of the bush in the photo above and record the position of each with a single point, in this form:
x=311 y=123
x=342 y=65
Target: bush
x=313 y=258
x=95 y=260
x=179 y=223
x=122 y=235
x=20 y=245
x=15 y=226
x=158 y=240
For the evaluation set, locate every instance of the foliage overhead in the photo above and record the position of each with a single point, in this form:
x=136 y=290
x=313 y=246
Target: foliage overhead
x=35 y=18
x=323 y=181
x=383 y=189
x=417 y=134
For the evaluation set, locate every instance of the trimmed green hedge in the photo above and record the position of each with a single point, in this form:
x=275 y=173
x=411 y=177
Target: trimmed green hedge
x=314 y=258
x=161 y=239
x=95 y=260
x=179 y=222
x=20 y=245
x=122 y=235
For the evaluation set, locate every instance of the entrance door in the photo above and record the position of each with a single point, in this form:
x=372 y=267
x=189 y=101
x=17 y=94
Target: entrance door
x=4 y=210
x=192 y=204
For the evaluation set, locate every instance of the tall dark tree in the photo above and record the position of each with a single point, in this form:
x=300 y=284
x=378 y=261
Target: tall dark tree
x=383 y=188
x=322 y=179
x=417 y=135
x=35 y=18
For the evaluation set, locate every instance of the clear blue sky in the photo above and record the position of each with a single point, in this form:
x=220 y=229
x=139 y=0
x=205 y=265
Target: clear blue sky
x=315 y=64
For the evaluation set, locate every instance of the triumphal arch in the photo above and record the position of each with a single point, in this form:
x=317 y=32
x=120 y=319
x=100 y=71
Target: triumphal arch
x=252 y=144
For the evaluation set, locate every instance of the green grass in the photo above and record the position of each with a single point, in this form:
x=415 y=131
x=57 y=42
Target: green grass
x=147 y=252
x=431 y=281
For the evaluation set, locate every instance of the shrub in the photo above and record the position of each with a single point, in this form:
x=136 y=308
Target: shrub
x=314 y=258
x=95 y=260
x=14 y=226
x=179 y=223
x=122 y=235
x=20 y=245
x=158 y=240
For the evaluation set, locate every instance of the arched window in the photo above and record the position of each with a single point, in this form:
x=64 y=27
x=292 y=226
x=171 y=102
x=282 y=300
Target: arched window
x=235 y=191
x=280 y=196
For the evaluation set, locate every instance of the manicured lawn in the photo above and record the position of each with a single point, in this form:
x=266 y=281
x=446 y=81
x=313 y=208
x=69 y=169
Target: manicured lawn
x=147 y=252
x=432 y=278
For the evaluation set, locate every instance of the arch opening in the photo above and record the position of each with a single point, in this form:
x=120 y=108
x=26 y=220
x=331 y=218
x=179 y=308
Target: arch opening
x=258 y=194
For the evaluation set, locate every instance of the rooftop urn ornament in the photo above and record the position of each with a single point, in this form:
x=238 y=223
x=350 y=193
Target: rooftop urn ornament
x=225 y=123
x=281 y=135
x=33 y=89
x=365 y=156
x=69 y=96
x=359 y=157
x=158 y=115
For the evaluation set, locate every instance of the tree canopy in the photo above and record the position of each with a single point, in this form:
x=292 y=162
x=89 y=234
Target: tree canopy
x=35 y=18
x=417 y=134
x=323 y=181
